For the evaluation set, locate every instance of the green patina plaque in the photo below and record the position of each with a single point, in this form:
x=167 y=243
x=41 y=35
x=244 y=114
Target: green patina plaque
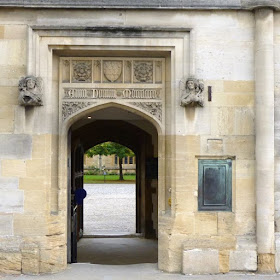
x=214 y=185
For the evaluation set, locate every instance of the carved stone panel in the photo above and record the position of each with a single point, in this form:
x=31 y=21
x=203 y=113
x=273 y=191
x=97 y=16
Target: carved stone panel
x=115 y=70
x=158 y=72
x=112 y=70
x=97 y=80
x=112 y=93
x=143 y=71
x=66 y=71
x=70 y=108
x=127 y=71
x=97 y=71
x=154 y=108
x=82 y=71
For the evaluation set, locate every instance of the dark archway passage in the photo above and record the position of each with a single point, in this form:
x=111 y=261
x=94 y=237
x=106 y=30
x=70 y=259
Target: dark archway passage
x=113 y=124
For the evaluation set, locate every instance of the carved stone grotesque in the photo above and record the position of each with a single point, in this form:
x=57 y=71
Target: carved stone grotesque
x=193 y=93
x=30 y=91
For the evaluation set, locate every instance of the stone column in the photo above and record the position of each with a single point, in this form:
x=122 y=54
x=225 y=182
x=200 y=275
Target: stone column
x=264 y=104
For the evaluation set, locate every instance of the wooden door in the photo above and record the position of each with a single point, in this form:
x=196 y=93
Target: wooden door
x=76 y=210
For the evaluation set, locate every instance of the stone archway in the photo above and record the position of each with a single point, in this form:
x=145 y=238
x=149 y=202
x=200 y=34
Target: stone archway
x=143 y=96
x=133 y=90
x=132 y=131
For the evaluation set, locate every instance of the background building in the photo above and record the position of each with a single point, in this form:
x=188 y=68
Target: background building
x=111 y=163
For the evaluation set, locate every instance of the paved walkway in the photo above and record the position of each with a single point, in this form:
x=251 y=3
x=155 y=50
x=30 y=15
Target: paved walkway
x=143 y=271
x=117 y=251
x=131 y=272
x=109 y=209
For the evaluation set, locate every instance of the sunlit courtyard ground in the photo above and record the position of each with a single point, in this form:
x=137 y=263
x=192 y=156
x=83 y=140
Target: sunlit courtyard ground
x=109 y=209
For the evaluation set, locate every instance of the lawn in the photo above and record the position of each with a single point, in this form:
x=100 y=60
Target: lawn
x=99 y=179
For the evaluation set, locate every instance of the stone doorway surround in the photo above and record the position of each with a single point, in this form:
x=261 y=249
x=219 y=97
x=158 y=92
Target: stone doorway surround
x=86 y=83
x=47 y=44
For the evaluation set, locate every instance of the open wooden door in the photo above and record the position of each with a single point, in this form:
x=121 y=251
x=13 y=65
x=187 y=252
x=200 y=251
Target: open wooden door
x=77 y=173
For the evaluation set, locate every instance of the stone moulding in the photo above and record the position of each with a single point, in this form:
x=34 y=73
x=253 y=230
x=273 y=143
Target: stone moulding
x=151 y=4
x=130 y=29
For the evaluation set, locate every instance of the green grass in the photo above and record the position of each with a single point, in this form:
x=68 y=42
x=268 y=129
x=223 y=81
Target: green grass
x=97 y=179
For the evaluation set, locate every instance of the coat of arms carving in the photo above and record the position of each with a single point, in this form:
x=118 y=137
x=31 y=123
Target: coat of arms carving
x=112 y=70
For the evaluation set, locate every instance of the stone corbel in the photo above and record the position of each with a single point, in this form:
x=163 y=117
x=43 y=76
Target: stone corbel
x=192 y=92
x=30 y=91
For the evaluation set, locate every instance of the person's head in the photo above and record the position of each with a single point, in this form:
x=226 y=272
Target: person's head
x=191 y=83
x=30 y=82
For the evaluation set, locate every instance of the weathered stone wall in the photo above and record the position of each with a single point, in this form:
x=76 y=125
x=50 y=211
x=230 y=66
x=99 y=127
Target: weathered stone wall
x=30 y=233
x=33 y=235
x=224 y=127
x=277 y=135
x=16 y=149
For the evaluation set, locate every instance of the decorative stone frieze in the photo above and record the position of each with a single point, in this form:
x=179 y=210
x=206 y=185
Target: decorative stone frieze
x=70 y=108
x=111 y=93
x=112 y=70
x=97 y=80
x=30 y=91
x=192 y=92
x=153 y=108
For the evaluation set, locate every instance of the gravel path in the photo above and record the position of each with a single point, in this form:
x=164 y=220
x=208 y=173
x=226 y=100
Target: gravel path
x=109 y=209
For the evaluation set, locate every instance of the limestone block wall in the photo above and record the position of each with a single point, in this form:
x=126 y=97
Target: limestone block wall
x=224 y=127
x=277 y=135
x=33 y=235
x=29 y=230
x=16 y=148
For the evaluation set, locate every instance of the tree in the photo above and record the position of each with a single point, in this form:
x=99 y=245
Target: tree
x=111 y=148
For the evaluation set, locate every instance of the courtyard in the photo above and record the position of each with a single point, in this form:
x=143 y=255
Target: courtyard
x=109 y=209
